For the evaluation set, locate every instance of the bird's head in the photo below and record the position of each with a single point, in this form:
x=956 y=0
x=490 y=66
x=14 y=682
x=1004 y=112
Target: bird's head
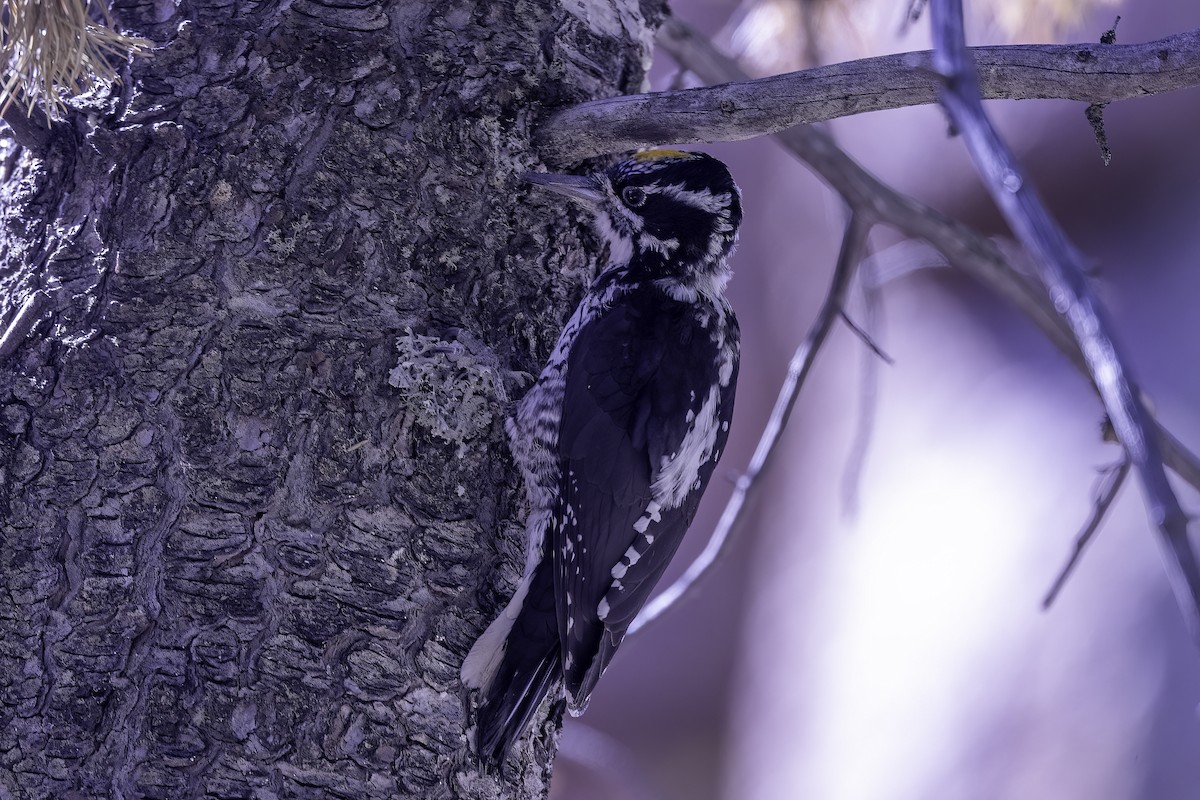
x=671 y=213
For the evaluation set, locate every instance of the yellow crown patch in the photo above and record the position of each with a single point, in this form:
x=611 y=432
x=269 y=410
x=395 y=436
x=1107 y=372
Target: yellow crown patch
x=655 y=154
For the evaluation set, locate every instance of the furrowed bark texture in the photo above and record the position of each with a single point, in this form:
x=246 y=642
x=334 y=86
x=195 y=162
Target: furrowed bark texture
x=255 y=499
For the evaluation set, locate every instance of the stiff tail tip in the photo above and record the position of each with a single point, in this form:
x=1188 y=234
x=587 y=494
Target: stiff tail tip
x=509 y=702
x=513 y=665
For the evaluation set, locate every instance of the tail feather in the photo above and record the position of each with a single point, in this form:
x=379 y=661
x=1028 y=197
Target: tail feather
x=504 y=714
x=513 y=685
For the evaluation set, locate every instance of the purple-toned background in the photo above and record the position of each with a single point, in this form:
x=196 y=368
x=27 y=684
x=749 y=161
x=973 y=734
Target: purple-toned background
x=898 y=651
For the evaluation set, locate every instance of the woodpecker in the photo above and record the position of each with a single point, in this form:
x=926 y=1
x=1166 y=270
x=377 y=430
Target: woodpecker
x=618 y=437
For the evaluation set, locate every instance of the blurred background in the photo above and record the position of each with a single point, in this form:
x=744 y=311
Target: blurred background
x=893 y=646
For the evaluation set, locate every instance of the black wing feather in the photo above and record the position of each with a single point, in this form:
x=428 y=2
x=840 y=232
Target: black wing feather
x=634 y=374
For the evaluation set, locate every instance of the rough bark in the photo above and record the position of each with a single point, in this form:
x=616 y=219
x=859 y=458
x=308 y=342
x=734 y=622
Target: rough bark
x=255 y=500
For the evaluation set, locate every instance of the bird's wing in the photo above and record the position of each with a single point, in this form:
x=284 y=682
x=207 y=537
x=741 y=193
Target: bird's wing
x=638 y=381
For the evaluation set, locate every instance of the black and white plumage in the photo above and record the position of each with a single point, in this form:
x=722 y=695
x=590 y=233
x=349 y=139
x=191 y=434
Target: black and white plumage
x=620 y=434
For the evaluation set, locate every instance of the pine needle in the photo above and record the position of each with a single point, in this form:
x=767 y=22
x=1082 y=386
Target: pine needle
x=52 y=47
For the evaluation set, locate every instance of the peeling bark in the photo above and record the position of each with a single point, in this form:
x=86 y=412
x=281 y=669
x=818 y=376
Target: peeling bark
x=255 y=500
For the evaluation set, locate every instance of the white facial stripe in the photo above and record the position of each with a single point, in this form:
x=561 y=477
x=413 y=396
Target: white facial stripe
x=702 y=199
x=620 y=245
x=650 y=242
x=617 y=225
x=624 y=228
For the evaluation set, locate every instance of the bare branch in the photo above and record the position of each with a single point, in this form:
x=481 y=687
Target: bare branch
x=962 y=246
x=1091 y=73
x=1061 y=270
x=1110 y=485
x=853 y=244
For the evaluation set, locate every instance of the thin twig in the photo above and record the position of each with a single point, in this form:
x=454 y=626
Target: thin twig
x=1106 y=492
x=1061 y=270
x=868 y=395
x=1095 y=112
x=743 y=109
x=912 y=16
x=866 y=339
x=976 y=255
x=853 y=244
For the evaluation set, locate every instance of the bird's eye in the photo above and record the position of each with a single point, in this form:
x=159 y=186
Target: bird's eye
x=633 y=196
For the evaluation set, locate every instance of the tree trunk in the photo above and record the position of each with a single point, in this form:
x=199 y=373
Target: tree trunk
x=256 y=500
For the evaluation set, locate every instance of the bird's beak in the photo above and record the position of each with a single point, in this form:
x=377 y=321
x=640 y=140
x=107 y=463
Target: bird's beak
x=580 y=188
